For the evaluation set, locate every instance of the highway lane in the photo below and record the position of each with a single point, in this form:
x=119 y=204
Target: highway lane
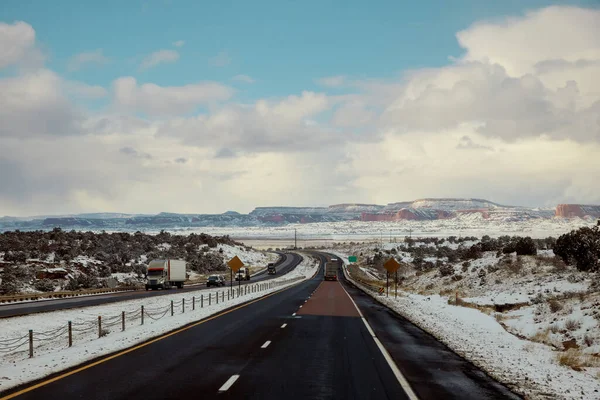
x=275 y=350
x=286 y=263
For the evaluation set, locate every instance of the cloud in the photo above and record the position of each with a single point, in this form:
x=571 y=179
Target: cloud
x=179 y=43
x=332 y=81
x=283 y=125
x=85 y=91
x=130 y=151
x=84 y=59
x=224 y=153
x=159 y=57
x=36 y=104
x=220 y=60
x=243 y=78
x=157 y=100
x=17 y=42
x=466 y=143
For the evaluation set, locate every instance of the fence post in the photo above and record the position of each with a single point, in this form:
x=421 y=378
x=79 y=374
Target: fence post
x=217 y=297
x=70 y=335
x=99 y=326
x=142 y=314
x=172 y=312
x=183 y=305
x=122 y=321
x=223 y=296
x=228 y=295
x=209 y=298
x=31 y=343
x=202 y=300
x=193 y=303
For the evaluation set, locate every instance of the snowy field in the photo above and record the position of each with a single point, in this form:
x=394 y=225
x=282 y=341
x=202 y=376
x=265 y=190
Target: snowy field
x=383 y=231
x=51 y=351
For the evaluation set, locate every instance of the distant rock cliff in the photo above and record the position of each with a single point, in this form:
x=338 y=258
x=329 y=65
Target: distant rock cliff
x=577 y=210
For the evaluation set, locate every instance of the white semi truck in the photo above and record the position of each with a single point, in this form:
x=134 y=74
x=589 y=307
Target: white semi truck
x=164 y=274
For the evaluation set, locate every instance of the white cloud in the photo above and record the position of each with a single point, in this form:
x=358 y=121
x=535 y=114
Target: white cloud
x=84 y=59
x=159 y=57
x=220 y=60
x=17 y=42
x=179 y=43
x=332 y=81
x=243 y=78
x=166 y=100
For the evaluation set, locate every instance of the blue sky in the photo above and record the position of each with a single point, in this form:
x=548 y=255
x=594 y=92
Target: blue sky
x=283 y=45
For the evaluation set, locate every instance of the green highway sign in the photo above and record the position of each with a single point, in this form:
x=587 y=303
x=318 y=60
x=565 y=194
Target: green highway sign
x=352 y=258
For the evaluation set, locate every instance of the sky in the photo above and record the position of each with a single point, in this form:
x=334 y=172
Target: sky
x=203 y=107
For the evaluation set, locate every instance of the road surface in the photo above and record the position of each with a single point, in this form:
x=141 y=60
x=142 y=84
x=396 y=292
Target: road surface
x=287 y=262
x=305 y=342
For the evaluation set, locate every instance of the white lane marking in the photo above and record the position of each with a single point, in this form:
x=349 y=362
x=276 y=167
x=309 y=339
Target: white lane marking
x=294 y=314
x=283 y=326
x=401 y=379
x=267 y=343
x=229 y=383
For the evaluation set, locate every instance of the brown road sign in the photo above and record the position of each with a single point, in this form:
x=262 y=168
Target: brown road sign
x=391 y=265
x=235 y=264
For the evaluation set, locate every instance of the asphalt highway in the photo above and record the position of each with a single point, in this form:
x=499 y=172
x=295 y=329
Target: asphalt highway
x=285 y=264
x=305 y=342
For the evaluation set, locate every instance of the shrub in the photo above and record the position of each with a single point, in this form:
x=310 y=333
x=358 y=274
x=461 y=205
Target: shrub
x=446 y=270
x=44 y=285
x=572 y=325
x=588 y=340
x=580 y=247
x=555 y=306
x=525 y=247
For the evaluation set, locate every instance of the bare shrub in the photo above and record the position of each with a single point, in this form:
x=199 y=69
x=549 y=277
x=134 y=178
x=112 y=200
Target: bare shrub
x=572 y=325
x=577 y=360
x=554 y=328
x=555 y=306
x=588 y=340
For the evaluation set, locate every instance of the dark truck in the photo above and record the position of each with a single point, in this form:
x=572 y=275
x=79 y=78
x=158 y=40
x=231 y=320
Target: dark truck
x=271 y=270
x=331 y=269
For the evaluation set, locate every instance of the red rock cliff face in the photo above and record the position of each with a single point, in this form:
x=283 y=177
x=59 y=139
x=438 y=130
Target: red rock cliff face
x=569 y=210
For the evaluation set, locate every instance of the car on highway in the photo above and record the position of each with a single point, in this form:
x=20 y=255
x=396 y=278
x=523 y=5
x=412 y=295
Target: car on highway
x=271 y=269
x=215 y=280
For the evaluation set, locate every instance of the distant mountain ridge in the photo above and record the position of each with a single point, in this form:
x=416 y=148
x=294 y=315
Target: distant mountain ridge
x=421 y=209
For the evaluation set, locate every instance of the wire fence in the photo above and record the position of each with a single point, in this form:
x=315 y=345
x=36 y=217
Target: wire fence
x=70 y=333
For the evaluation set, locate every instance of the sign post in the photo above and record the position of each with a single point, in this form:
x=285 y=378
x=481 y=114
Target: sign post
x=235 y=264
x=391 y=266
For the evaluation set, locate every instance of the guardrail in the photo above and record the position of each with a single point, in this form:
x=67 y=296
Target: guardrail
x=66 y=335
x=66 y=294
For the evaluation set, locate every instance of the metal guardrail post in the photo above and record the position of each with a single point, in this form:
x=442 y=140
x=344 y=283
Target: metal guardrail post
x=122 y=321
x=142 y=315
x=70 y=335
x=182 y=306
x=193 y=303
x=172 y=311
x=202 y=301
x=99 y=326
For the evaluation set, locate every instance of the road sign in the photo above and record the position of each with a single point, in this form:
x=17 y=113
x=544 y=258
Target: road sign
x=235 y=264
x=352 y=259
x=391 y=265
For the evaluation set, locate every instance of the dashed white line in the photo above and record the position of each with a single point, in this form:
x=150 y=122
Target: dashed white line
x=229 y=383
x=283 y=326
x=267 y=343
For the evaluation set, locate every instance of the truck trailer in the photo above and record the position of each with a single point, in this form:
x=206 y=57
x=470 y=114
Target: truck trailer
x=164 y=274
x=331 y=269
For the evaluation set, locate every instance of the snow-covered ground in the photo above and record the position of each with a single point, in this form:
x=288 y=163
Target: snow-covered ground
x=468 y=225
x=52 y=353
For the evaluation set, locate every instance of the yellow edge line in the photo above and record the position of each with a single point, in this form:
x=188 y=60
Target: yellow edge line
x=56 y=378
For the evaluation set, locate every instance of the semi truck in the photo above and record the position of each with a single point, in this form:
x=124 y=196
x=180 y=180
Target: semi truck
x=243 y=274
x=271 y=270
x=164 y=274
x=331 y=269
